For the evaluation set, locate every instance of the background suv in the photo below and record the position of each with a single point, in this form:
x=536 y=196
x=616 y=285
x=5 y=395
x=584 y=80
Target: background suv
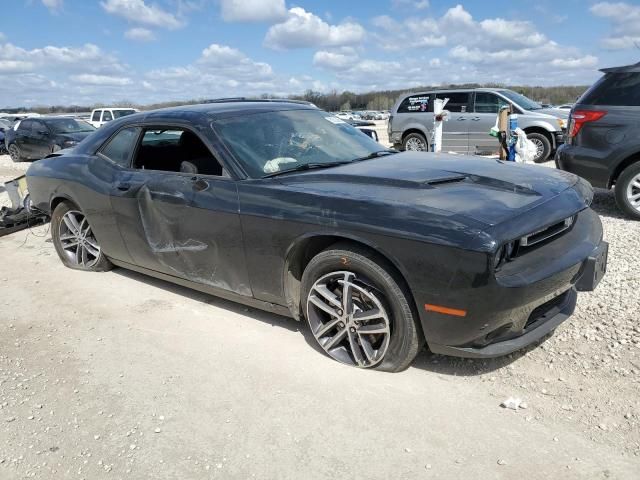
x=603 y=143
x=473 y=113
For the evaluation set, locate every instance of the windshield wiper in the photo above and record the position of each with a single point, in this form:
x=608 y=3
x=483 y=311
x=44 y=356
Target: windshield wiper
x=306 y=166
x=380 y=153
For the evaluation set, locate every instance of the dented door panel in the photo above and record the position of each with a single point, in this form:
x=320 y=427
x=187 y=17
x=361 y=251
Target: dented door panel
x=149 y=209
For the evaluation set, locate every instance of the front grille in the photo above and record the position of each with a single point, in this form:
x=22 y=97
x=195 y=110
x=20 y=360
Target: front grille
x=547 y=309
x=546 y=233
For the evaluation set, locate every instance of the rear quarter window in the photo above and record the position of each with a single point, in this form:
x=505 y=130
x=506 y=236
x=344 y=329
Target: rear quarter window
x=615 y=89
x=120 y=147
x=415 y=104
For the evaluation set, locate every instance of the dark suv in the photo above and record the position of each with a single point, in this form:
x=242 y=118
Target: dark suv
x=603 y=143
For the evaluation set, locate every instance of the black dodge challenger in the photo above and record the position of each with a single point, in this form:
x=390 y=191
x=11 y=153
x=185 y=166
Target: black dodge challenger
x=284 y=207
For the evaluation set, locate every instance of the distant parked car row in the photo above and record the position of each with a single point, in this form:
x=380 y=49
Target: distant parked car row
x=362 y=115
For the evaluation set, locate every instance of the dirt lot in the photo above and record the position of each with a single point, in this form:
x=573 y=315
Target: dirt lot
x=117 y=375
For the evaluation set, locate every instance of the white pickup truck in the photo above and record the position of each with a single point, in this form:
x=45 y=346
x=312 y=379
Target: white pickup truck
x=100 y=116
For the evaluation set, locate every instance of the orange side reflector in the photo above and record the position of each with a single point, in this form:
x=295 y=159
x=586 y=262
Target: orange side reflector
x=447 y=311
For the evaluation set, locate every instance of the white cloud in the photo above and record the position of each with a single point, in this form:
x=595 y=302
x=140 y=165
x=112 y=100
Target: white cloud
x=102 y=80
x=625 y=19
x=303 y=29
x=15 y=66
x=334 y=60
x=88 y=57
x=219 y=71
x=413 y=4
x=137 y=11
x=140 y=34
x=53 y=5
x=253 y=10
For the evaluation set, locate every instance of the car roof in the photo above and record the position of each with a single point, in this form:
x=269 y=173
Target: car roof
x=53 y=117
x=635 y=68
x=447 y=90
x=228 y=106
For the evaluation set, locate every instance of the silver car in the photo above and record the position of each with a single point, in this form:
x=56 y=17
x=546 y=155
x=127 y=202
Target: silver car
x=472 y=114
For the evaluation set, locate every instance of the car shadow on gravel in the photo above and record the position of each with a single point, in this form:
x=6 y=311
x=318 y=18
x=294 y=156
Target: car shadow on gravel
x=604 y=203
x=439 y=364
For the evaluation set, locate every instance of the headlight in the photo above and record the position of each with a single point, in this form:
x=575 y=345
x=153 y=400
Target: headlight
x=562 y=123
x=69 y=143
x=505 y=253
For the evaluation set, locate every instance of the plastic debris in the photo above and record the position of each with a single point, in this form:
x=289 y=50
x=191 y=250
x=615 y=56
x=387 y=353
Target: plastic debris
x=513 y=404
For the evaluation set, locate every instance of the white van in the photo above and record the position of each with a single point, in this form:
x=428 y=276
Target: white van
x=100 y=116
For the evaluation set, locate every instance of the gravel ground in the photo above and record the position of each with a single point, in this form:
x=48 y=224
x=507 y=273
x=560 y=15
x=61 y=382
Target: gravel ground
x=131 y=377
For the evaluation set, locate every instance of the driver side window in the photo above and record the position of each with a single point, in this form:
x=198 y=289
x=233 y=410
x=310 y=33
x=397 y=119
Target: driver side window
x=175 y=150
x=488 y=103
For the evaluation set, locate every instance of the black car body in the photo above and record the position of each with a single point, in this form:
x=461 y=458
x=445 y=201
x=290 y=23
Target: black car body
x=37 y=137
x=5 y=125
x=603 y=144
x=489 y=253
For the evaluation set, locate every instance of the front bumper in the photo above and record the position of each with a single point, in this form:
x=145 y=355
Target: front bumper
x=558 y=139
x=526 y=300
x=544 y=322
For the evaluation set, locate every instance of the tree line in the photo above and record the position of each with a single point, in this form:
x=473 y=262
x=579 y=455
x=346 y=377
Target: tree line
x=335 y=101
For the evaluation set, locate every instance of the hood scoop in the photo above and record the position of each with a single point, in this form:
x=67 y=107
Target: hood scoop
x=446 y=179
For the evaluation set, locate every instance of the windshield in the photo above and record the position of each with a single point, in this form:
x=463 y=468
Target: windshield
x=122 y=113
x=69 y=125
x=521 y=100
x=266 y=143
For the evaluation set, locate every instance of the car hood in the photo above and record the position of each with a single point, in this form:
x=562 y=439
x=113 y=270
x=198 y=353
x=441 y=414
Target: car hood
x=486 y=190
x=553 y=112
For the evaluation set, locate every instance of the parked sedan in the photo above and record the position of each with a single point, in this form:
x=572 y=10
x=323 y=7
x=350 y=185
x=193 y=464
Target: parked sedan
x=35 y=138
x=284 y=207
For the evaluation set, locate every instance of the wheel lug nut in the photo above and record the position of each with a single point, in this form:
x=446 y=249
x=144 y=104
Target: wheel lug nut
x=352 y=329
x=339 y=312
x=341 y=325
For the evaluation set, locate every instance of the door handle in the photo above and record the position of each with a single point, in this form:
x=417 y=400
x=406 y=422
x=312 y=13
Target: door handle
x=199 y=184
x=123 y=186
x=460 y=119
x=475 y=119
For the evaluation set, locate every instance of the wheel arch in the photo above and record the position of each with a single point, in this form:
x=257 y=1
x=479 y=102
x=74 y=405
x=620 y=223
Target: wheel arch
x=411 y=130
x=58 y=198
x=541 y=130
x=308 y=246
x=620 y=167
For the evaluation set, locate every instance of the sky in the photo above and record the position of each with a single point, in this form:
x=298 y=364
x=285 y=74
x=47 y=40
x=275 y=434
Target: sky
x=63 y=52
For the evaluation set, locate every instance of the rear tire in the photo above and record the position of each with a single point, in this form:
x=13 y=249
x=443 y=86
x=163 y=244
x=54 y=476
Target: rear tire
x=415 y=142
x=74 y=241
x=543 y=146
x=627 y=191
x=376 y=326
x=15 y=153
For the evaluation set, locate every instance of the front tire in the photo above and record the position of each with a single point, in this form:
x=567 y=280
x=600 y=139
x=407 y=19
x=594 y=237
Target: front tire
x=627 y=191
x=543 y=146
x=415 y=142
x=15 y=153
x=75 y=243
x=359 y=310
